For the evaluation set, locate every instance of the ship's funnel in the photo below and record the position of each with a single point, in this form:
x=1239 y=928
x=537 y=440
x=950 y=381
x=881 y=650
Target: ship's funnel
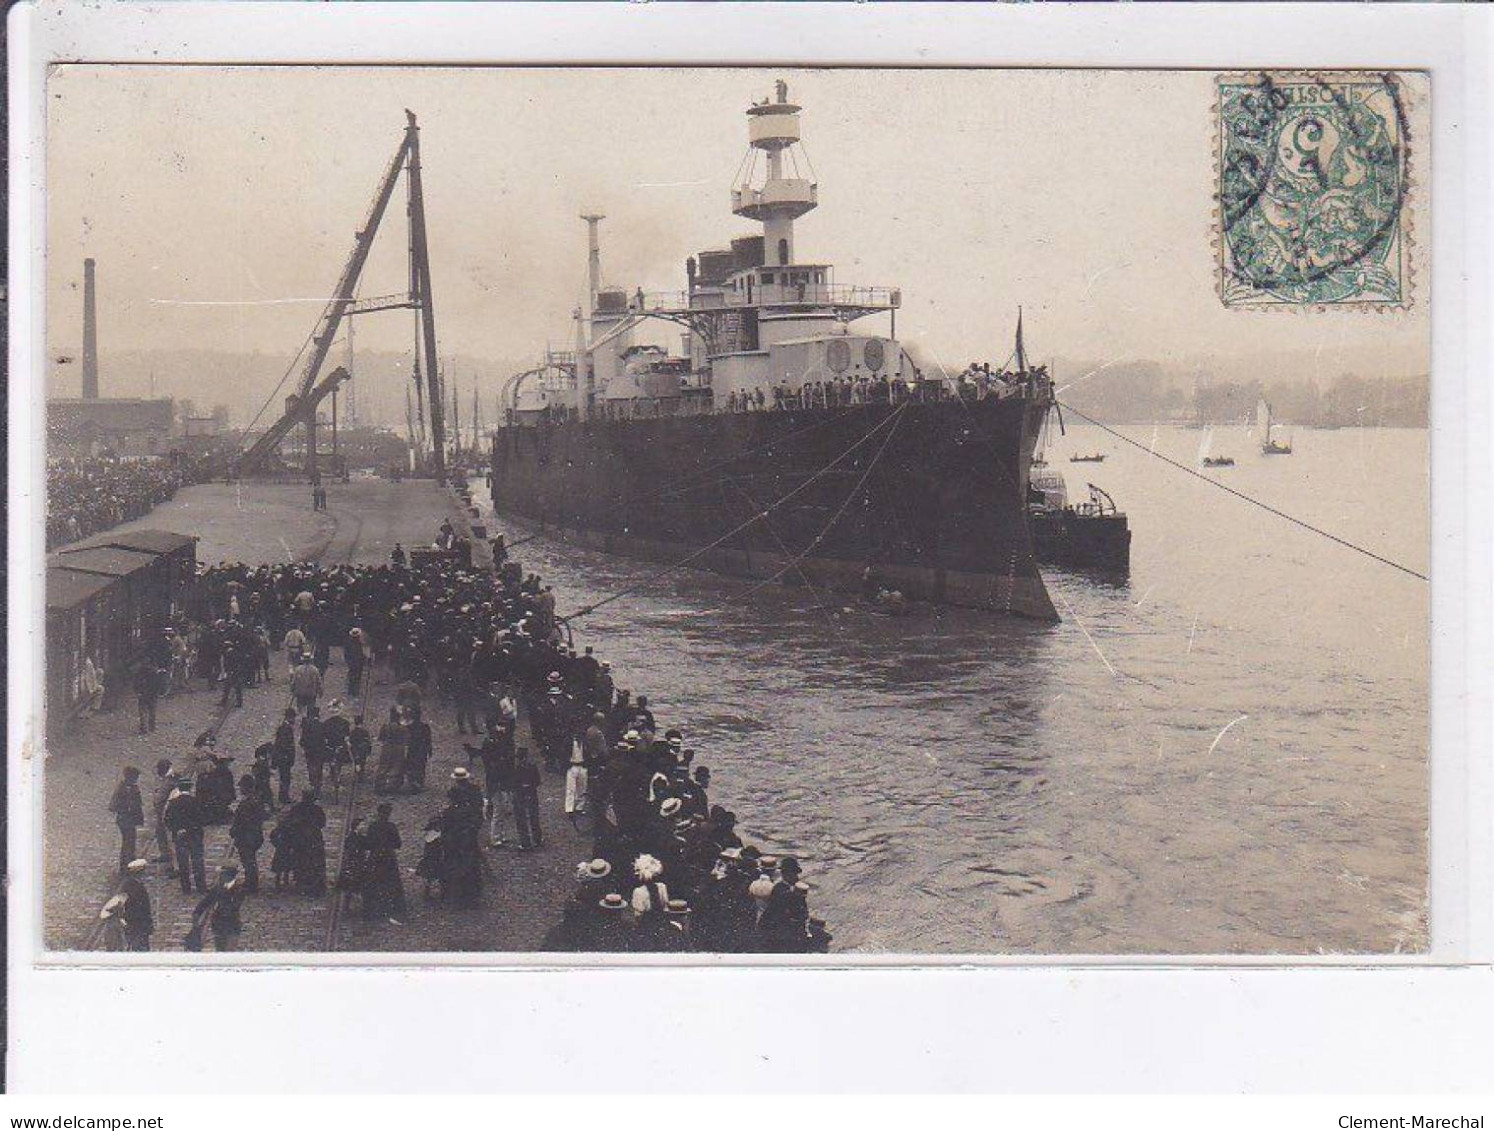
x=593 y=258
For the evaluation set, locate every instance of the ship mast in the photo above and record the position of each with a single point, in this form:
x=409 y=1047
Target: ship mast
x=773 y=127
x=456 y=416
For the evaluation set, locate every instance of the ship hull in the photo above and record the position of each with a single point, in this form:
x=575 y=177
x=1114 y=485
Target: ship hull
x=930 y=496
x=1097 y=542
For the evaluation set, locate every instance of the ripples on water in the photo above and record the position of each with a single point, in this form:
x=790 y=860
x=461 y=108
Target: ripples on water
x=961 y=783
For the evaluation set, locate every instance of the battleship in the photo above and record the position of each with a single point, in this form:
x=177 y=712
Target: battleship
x=784 y=441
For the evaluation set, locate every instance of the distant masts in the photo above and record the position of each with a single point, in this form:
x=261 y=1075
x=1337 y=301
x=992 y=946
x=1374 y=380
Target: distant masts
x=351 y=412
x=90 y=335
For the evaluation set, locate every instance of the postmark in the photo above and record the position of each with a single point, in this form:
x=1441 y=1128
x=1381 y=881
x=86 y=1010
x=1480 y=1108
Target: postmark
x=1311 y=187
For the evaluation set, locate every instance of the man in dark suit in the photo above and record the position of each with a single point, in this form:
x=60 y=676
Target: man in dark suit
x=135 y=913
x=247 y=831
x=314 y=746
x=526 y=800
x=284 y=757
x=185 y=821
x=129 y=813
x=147 y=691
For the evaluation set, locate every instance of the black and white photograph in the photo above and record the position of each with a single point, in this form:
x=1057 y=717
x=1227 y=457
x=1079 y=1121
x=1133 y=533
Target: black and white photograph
x=602 y=512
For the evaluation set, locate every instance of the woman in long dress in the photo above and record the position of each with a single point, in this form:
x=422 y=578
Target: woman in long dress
x=352 y=874
x=461 y=854
x=394 y=740
x=306 y=820
x=383 y=889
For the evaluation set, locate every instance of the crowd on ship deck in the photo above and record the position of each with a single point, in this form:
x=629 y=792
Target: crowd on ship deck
x=668 y=870
x=976 y=382
x=91 y=495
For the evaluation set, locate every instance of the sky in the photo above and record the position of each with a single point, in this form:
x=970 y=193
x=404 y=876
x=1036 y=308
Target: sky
x=220 y=204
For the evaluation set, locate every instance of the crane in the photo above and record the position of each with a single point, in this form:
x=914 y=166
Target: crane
x=301 y=410
x=300 y=406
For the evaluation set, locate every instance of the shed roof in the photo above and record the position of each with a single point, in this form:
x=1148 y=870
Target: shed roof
x=69 y=588
x=150 y=541
x=112 y=561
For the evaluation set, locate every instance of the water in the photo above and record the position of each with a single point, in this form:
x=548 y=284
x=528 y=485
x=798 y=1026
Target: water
x=1227 y=754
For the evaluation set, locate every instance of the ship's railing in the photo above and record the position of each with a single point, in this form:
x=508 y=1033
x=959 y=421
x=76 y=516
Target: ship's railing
x=808 y=294
x=836 y=393
x=797 y=191
x=970 y=386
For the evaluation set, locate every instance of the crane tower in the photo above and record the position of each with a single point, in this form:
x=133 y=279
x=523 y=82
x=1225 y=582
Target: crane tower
x=301 y=405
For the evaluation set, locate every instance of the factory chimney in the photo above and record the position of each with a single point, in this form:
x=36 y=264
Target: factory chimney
x=90 y=336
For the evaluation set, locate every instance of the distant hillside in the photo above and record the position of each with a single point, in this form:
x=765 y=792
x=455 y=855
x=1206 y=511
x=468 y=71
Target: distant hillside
x=1148 y=391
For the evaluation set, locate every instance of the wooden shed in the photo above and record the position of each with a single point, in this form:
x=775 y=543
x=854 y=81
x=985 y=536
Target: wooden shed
x=106 y=598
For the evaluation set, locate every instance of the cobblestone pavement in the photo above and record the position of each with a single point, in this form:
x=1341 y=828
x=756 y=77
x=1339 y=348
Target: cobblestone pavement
x=523 y=891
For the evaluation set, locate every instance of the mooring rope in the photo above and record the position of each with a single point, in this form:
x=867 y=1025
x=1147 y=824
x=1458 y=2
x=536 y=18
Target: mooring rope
x=818 y=538
x=586 y=610
x=1358 y=549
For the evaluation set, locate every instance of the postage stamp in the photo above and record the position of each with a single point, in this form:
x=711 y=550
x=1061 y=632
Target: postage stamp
x=1312 y=179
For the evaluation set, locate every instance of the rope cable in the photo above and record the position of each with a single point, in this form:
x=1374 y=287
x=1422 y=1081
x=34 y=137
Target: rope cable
x=804 y=149
x=820 y=537
x=292 y=368
x=1247 y=498
x=794 y=563
x=586 y=610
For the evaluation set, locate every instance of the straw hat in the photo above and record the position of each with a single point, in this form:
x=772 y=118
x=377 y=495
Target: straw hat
x=597 y=869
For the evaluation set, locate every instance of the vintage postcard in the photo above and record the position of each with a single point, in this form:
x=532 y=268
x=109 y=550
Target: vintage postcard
x=598 y=512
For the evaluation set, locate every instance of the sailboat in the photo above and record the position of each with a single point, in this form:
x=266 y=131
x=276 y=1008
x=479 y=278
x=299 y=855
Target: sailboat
x=1270 y=446
x=1203 y=451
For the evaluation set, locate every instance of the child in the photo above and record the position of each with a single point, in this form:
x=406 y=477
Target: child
x=261 y=772
x=360 y=745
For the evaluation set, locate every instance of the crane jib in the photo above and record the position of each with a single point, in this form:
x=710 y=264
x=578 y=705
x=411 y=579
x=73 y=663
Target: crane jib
x=343 y=303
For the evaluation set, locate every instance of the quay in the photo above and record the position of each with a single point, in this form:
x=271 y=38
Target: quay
x=524 y=892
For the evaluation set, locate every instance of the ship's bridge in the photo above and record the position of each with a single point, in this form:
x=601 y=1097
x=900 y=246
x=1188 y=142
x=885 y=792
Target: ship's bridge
x=799 y=285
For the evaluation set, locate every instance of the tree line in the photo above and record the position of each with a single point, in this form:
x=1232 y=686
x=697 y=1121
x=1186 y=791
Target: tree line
x=1144 y=392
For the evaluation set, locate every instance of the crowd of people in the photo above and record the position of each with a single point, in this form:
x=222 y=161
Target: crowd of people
x=90 y=495
x=976 y=382
x=668 y=870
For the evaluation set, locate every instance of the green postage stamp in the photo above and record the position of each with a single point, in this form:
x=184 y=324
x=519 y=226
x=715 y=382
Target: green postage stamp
x=1312 y=177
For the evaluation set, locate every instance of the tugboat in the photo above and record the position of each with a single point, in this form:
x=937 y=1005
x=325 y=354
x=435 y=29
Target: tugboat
x=1095 y=535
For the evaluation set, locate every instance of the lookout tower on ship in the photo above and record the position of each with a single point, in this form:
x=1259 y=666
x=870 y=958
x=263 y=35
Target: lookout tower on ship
x=759 y=317
x=773 y=128
x=756 y=319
